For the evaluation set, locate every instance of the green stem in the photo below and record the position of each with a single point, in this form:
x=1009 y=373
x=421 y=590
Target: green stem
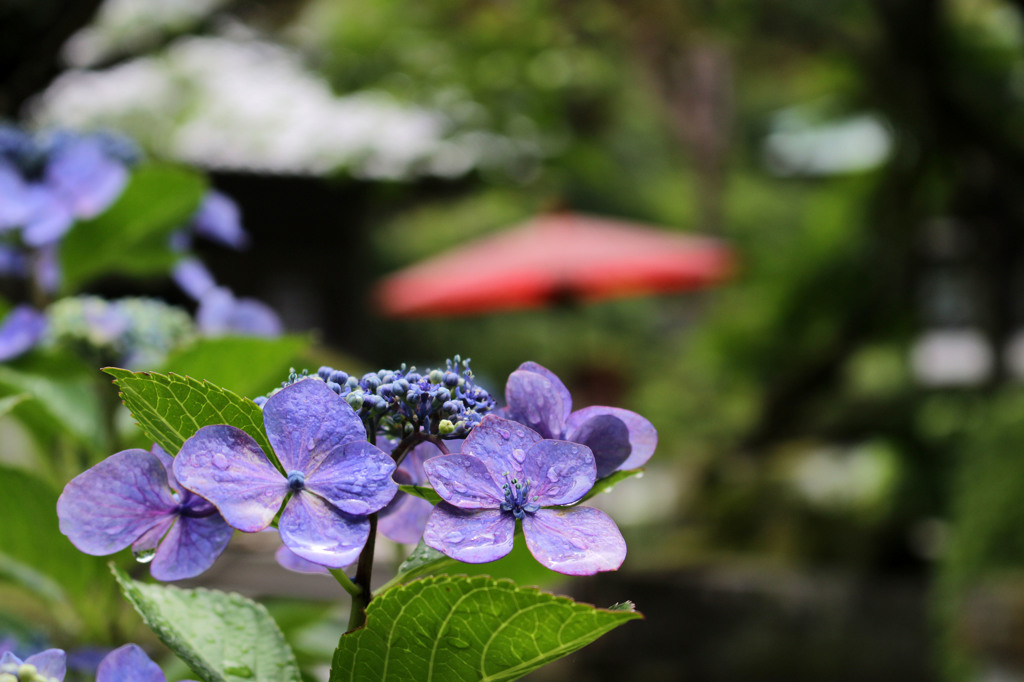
x=364 y=571
x=344 y=581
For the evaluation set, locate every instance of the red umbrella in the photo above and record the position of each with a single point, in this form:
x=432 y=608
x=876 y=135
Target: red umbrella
x=555 y=257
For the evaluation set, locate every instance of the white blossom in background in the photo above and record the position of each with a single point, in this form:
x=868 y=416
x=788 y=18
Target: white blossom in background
x=253 y=106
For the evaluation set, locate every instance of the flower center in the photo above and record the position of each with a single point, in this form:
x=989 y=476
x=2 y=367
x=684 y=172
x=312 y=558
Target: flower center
x=296 y=481
x=517 y=498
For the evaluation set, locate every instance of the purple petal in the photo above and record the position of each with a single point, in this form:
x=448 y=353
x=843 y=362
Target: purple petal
x=49 y=663
x=193 y=277
x=538 y=399
x=21 y=330
x=464 y=481
x=48 y=219
x=601 y=429
x=46 y=269
x=293 y=562
x=221 y=313
x=219 y=220
x=307 y=422
x=355 y=477
x=225 y=466
x=150 y=540
x=317 y=531
x=474 y=537
x=15 y=207
x=129 y=663
x=559 y=472
x=191 y=547
x=574 y=541
x=106 y=508
x=87 y=178
x=13 y=261
x=404 y=519
x=501 y=444
x=8 y=658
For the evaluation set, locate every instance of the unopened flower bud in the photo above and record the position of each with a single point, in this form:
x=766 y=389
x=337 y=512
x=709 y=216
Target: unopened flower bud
x=445 y=427
x=436 y=376
x=355 y=399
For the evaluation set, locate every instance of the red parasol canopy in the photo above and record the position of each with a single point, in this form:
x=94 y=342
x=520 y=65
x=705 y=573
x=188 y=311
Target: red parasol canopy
x=555 y=257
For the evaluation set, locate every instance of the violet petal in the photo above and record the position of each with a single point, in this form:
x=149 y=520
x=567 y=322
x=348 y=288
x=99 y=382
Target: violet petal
x=107 y=507
x=474 y=537
x=593 y=427
x=190 y=547
x=404 y=522
x=224 y=465
x=501 y=444
x=49 y=663
x=293 y=562
x=317 y=531
x=307 y=422
x=219 y=220
x=464 y=481
x=129 y=663
x=193 y=277
x=534 y=400
x=21 y=330
x=355 y=477
x=559 y=472
x=49 y=218
x=574 y=541
x=87 y=178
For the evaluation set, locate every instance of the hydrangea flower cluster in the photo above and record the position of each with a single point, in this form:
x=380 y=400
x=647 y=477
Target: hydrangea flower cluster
x=397 y=403
x=133 y=499
x=50 y=180
x=325 y=483
x=506 y=473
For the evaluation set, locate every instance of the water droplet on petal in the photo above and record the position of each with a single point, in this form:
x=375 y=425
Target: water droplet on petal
x=458 y=487
x=519 y=455
x=504 y=434
x=220 y=461
x=144 y=556
x=553 y=475
x=455 y=537
x=577 y=543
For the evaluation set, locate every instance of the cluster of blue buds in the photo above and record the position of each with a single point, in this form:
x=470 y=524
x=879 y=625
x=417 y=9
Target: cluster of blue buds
x=395 y=403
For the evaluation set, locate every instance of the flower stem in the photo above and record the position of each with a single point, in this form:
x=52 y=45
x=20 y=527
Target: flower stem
x=344 y=581
x=364 y=571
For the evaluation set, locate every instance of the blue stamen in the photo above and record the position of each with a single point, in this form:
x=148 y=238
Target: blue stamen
x=296 y=481
x=517 y=496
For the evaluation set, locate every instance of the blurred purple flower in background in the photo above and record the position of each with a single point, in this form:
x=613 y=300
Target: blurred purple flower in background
x=129 y=663
x=22 y=329
x=46 y=666
x=507 y=472
x=132 y=498
x=333 y=477
x=620 y=439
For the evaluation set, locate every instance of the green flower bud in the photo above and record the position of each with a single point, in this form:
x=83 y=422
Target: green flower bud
x=445 y=427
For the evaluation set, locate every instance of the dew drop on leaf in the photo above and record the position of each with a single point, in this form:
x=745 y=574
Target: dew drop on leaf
x=236 y=669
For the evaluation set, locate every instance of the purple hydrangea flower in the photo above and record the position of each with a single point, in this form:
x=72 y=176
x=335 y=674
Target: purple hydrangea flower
x=46 y=666
x=333 y=477
x=507 y=472
x=129 y=663
x=129 y=499
x=21 y=331
x=220 y=312
x=218 y=219
x=619 y=439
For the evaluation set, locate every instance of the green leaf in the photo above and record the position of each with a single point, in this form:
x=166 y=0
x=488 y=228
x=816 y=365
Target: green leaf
x=132 y=236
x=424 y=492
x=247 y=365
x=222 y=636
x=10 y=402
x=456 y=628
x=605 y=485
x=62 y=390
x=35 y=556
x=171 y=408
